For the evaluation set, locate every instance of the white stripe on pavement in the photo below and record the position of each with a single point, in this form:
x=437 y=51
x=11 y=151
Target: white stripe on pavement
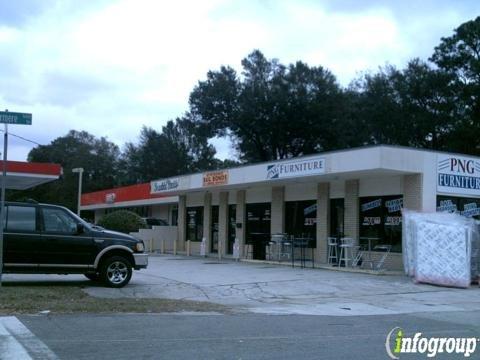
x=17 y=342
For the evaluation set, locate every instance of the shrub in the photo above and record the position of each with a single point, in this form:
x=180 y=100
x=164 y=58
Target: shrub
x=122 y=220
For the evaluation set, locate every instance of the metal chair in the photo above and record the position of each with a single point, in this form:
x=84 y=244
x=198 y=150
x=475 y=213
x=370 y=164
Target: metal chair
x=385 y=250
x=248 y=251
x=346 y=251
x=332 y=244
x=273 y=246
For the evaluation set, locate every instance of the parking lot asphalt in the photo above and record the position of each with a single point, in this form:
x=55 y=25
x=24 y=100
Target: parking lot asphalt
x=273 y=289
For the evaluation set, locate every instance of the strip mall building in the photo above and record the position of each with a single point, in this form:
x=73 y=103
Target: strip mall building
x=354 y=193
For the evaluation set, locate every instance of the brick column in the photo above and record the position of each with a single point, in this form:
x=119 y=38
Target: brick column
x=277 y=222
x=223 y=222
x=352 y=209
x=323 y=221
x=182 y=222
x=207 y=221
x=241 y=219
x=412 y=192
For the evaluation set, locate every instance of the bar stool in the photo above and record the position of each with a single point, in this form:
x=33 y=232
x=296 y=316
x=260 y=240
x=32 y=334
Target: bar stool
x=332 y=250
x=346 y=251
x=274 y=246
x=248 y=251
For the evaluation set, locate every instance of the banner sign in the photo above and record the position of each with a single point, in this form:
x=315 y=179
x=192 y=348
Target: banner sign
x=371 y=205
x=215 y=178
x=458 y=175
x=110 y=198
x=166 y=185
x=315 y=166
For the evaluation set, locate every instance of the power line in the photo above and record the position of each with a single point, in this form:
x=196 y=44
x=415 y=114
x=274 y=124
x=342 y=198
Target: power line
x=21 y=137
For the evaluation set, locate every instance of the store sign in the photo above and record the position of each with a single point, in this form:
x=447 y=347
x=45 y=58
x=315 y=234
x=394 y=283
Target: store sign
x=372 y=205
x=110 y=198
x=470 y=210
x=394 y=205
x=315 y=166
x=371 y=220
x=447 y=206
x=215 y=178
x=458 y=175
x=173 y=184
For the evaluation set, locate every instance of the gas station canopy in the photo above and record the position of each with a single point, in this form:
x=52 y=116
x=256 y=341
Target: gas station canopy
x=25 y=175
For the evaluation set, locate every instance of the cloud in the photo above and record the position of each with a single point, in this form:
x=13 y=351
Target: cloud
x=109 y=67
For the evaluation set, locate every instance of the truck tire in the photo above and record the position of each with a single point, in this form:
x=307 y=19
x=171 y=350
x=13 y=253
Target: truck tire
x=116 y=271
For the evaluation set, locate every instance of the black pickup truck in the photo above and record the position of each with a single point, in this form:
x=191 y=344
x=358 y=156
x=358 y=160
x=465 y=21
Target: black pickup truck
x=42 y=238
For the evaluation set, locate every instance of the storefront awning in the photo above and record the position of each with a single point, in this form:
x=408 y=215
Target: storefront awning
x=25 y=175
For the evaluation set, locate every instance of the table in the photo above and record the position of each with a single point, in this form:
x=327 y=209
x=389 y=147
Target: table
x=303 y=243
x=369 y=240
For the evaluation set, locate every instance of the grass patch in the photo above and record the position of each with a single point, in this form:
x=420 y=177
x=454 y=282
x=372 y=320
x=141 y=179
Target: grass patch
x=62 y=298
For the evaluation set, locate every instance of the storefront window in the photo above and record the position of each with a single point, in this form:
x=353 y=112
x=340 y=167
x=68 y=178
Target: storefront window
x=195 y=223
x=258 y=228
x=469 y=207
x=336 y=217
x=214 y=229
x=174 y=221
x=381 y=220
x=301 y=218
x=232 y=221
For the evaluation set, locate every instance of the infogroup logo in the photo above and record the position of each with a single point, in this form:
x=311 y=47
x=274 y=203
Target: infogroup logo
x=397 y=343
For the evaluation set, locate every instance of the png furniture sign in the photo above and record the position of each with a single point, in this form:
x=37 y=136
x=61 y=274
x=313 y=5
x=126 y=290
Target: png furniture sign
x=458 y=175
x=215 y=178
x=303 y=167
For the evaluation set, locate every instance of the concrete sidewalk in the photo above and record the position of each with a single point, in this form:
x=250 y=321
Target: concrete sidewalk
x=270 y=289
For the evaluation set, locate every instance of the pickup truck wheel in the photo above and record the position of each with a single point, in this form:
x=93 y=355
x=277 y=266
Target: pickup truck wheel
x=116 y=271
x=92 y=276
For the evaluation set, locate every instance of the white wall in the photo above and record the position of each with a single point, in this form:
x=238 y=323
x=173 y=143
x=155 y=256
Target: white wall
x=298 y=192
x=392 y=185
x=195 y=199
x=337 y=189
x=259 y=195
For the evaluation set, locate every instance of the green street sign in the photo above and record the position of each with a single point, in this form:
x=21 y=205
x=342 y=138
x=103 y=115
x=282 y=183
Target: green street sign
x=7 y=117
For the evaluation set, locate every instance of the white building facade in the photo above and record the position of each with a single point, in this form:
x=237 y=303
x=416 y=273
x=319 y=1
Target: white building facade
x=355 y=193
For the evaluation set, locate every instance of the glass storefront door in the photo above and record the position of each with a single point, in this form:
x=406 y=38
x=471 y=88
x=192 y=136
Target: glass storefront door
x=258 y=228
x=301 y=218
x=195 y=223
x=336 y=217
x=214 y=230
x=232 y=221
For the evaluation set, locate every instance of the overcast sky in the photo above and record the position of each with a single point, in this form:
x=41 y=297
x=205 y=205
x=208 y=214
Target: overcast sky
x=109 y=67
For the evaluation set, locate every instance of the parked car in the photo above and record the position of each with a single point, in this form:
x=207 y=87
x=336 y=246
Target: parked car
x=150 y=221
x=43 y=238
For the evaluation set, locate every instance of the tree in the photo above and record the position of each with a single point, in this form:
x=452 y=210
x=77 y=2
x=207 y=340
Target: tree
x=459 y=55
x=271 y=111
x=97 y=156
x=180 y=148
x=411 y=107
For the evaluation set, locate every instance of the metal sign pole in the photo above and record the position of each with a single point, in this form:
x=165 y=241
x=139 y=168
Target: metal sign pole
x=2 y=204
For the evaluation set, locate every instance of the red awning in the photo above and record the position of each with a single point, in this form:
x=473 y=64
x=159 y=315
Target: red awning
x=25 y=175
x=119 y=195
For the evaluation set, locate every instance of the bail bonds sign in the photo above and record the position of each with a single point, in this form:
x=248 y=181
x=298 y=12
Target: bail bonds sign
x=214 y=178
x=302 y=167
x=458 y=175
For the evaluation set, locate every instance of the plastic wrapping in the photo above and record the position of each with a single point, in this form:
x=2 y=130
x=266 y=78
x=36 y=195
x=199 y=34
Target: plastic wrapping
x=442 y=254
x=440 y=248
